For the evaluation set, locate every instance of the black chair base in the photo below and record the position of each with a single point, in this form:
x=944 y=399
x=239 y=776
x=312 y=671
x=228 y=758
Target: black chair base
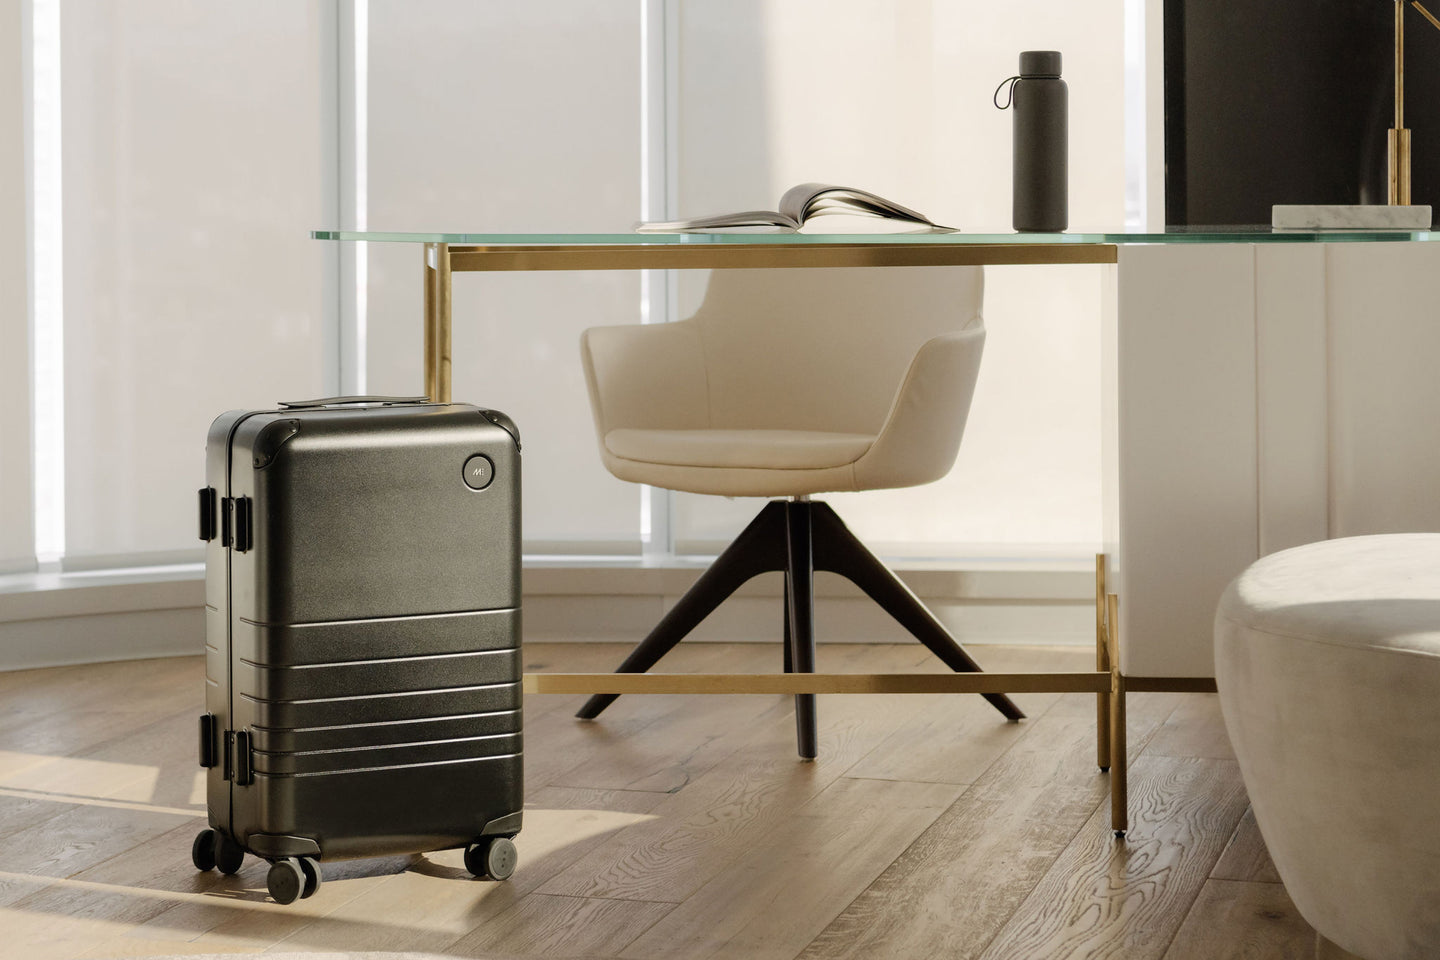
x=798 y=537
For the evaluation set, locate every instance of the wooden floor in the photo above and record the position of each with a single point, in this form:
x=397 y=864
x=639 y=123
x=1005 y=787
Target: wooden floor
x=675 y=827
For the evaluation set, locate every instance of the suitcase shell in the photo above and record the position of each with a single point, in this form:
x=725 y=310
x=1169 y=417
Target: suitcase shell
x=362 y=628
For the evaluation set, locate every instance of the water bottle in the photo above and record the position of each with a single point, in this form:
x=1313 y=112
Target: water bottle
x=1041 y=165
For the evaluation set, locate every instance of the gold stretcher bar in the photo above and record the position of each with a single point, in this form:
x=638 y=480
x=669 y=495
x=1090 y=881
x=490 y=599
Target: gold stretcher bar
x=788 y=683
x=706 y=256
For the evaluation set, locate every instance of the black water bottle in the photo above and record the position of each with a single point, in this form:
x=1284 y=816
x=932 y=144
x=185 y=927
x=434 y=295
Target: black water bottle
x=1041 y=172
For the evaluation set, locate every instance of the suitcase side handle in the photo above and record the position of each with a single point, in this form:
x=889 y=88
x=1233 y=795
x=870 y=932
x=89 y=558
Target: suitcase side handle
x=344 y=401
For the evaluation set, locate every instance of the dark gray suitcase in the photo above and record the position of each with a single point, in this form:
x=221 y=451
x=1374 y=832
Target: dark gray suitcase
x=362 y=593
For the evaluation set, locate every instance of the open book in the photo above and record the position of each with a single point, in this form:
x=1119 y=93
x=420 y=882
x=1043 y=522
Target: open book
x=798 y=205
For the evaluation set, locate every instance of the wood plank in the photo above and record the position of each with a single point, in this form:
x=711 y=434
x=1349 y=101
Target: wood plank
x=1195 y=729
x=73 y=840
x=80 y=914
x=549 y=926
x=155 y=763
x=690 y=739
x=440 y=902
x=784 y=888
x=724 y=812
x=152 y=765
x=236 y=914
x=679 y=746
x=571 y=743
x=953 y=739
x=24 y=812
x=1127 y=898
x=958 y=884
x=1245 y=856
x=1235 y=920
x=60 y=690
x=102 y=703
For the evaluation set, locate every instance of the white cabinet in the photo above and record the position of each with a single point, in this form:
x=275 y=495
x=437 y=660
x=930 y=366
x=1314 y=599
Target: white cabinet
x=1258 y=396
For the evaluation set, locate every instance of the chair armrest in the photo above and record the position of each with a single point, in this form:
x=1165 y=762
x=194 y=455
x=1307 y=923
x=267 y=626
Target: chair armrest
x=648 y=377
x=922 y=431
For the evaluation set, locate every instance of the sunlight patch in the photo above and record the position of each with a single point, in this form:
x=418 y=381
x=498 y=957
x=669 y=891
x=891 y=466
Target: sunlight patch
x=102 y=779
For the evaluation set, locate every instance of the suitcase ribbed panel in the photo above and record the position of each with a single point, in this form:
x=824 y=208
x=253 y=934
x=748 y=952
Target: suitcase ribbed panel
x=323 y=681
x=298 y=644
x=391 y=757
x=373 y=709
x=388 y=732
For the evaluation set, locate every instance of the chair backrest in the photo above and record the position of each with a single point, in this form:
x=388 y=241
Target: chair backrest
x=823 y=348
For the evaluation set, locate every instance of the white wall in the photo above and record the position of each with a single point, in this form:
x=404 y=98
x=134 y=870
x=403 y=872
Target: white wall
x=16 y=531
x=197 y=161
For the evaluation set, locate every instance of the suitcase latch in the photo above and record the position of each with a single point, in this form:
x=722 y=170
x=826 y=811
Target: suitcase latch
x=237 y=523
x=244 y=524
x=243 y=756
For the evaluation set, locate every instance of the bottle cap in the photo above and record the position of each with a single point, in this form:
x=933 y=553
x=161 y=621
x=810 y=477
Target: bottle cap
x=1040 y=63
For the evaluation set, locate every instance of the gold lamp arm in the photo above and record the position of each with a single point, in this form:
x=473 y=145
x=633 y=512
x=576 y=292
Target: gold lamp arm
x=1427 y=14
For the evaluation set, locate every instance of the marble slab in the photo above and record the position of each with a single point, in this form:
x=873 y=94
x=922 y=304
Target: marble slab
x=1350 y=216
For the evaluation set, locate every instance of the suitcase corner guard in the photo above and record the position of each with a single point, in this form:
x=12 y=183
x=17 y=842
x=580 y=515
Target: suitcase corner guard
x=273 y=846
x=506 y=826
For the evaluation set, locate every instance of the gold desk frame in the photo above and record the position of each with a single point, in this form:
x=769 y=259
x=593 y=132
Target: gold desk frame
x=1110 y=686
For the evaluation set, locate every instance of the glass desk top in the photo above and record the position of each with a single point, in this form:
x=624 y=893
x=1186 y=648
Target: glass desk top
x=1186 y=234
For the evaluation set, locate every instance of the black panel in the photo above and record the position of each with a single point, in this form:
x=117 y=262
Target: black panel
x=1270 y=101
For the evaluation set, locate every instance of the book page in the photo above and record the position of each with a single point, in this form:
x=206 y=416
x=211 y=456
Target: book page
x=848 y=223
x=748 y=221
x=817 y=199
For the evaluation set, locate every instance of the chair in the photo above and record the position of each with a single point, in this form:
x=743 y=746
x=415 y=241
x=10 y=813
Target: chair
x=787 y=384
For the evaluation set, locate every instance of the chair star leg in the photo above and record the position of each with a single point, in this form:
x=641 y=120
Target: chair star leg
x=760 y=548
x=800 y=614
x=839 y=551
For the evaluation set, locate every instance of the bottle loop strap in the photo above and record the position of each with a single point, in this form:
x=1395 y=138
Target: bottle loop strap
x=1009 y=94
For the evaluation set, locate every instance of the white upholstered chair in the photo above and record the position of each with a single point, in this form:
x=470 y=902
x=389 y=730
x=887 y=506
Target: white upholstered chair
x=787 y=384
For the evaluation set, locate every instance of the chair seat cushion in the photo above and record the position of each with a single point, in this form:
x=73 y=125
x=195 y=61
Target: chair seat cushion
x=740 y=449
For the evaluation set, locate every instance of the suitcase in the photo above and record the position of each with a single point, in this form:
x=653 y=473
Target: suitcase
x=362 y=668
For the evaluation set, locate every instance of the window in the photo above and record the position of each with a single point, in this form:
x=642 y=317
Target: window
x=180 y=153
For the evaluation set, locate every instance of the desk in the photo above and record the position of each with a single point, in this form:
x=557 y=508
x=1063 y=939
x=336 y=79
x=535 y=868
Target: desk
x=1236 y=419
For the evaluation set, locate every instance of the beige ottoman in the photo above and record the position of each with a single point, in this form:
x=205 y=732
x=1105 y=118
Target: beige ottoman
x=1327 y=657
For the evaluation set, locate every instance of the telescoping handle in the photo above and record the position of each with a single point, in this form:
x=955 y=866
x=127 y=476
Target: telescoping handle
x=346 y=401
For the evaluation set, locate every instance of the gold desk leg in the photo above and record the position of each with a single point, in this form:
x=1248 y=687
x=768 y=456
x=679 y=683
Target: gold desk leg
x=1102 y=664
x=1119 y=776
x=437 y=321
x=429 y=275
x=443 y=327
